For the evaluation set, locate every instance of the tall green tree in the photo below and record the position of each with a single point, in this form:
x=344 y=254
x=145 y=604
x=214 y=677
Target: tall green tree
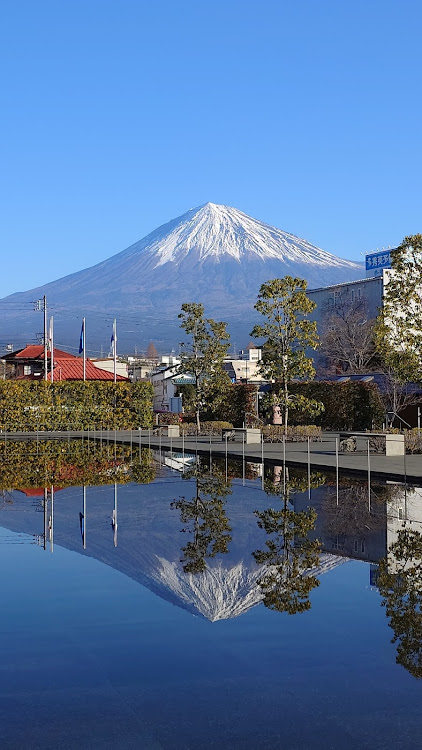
x=399 y=324
x=288 y=333
x=203 y=355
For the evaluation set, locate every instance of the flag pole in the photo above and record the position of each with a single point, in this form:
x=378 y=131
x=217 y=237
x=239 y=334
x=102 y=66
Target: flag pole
x=52 y=349
x=45 y=339
x=83 y=349
x=114 y=349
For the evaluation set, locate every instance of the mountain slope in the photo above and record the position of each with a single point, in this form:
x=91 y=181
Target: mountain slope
x=213 y=254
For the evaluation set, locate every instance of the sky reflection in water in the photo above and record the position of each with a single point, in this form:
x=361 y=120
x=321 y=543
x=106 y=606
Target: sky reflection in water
x=118 y=645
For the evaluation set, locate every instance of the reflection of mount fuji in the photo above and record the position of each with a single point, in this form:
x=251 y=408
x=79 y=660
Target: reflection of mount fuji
x=149 y=541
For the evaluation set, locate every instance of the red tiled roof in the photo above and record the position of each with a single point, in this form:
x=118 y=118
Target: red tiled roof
x=36 y=351
x=72 y=369
x=37 y=491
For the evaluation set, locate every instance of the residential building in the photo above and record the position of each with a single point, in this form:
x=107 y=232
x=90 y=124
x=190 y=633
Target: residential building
x=28 y=364
x=165 y=382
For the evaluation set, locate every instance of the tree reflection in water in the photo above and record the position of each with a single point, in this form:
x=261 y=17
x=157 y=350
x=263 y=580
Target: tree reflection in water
x=204 y=517
x=289 y=555
x=400 y=585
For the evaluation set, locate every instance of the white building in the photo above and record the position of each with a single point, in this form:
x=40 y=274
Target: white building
x=107 y=364
x=243 y=370
x=165 y=382
x=370 y=290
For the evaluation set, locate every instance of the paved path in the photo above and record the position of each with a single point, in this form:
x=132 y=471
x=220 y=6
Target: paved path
x=322 y=454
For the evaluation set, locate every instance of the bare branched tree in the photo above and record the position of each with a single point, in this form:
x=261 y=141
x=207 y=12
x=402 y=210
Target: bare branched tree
x=347 y=340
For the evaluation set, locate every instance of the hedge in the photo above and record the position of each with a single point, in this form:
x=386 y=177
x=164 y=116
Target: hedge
x=76 y=405
x=348 y=406
x=296 y=434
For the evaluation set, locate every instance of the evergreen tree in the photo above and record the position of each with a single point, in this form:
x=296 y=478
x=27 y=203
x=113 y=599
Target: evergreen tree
x=288 y=334
x=203 y=355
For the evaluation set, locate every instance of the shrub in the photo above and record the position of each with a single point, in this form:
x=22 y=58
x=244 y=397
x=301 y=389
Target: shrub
x=168 y=418
x=413 y=440
x=207 y=428
x=298 y=433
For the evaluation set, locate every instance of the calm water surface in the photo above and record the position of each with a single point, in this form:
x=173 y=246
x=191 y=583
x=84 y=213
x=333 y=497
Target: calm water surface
x=214 y=611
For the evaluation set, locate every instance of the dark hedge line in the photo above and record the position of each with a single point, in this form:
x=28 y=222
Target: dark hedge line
x=74 y=405
x=348 y=406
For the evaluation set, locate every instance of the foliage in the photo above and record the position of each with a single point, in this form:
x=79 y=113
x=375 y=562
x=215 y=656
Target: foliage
x=75 y=405
x=289 y=553
x=31 y=463
x=188 y=394
x=168 y=417
x=400 y=585
x=203 y=357
x=413 y=440
x=347 y=341
x=207 y=428
x=276 y=433
x=151 y=352
x=288 y=333
x=238 y=405
x=399 y=324
x=204 y=517
x=347 y=406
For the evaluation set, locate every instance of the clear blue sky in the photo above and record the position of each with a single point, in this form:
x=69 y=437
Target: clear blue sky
x=120 y=115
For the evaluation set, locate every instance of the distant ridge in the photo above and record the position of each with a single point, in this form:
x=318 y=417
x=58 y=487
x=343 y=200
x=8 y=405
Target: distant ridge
x=213 y=254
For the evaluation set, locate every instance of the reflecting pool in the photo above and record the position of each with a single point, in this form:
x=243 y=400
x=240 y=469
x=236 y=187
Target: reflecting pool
x=170 y=602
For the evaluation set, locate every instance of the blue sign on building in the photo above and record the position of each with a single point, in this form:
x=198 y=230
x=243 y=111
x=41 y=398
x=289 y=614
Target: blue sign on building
x=376 y=262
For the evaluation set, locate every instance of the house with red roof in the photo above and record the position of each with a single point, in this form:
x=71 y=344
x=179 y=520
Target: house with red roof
x=28 y=364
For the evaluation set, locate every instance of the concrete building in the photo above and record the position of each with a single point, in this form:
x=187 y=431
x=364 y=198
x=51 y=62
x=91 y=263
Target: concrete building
x=369 y=290
x=327 y=298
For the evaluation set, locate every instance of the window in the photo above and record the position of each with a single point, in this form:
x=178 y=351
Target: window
x=27 y=369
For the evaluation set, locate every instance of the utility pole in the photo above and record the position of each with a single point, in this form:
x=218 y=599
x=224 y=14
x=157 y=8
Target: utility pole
x=41 y=304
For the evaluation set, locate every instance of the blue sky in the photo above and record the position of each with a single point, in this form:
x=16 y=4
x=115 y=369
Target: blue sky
x=118 y=116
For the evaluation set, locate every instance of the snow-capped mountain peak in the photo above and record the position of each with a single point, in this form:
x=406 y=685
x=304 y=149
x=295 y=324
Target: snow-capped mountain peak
x=217 y=232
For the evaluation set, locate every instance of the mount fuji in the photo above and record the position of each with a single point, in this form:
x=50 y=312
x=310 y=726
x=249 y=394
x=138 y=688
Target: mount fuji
x=213 y=254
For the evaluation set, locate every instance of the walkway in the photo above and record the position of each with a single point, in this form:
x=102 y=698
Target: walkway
x=322 y=454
